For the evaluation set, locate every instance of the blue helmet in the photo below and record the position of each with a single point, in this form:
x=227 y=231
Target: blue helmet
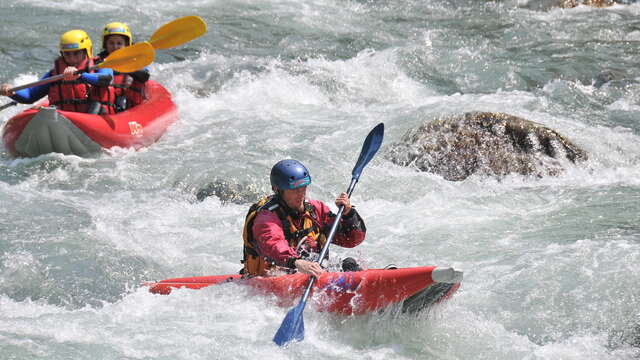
x=289 y=174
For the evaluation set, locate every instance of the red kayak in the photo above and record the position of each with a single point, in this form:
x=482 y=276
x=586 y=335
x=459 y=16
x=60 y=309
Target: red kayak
x=343 y=293
x=42 y=129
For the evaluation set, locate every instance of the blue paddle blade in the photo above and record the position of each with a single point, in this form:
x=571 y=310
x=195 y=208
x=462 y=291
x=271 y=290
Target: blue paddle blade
x=292 y=327
x=369 y=149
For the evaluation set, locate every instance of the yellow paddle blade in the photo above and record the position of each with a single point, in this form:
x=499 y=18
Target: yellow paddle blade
x=178 y=32
x=130 y=58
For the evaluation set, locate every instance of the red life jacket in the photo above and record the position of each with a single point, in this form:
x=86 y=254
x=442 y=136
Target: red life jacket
x=120 y=82
x=76 y=95
x=136 y=93
x=69 y=95
x=106 y=96
x=125 y=85
x=257 y=265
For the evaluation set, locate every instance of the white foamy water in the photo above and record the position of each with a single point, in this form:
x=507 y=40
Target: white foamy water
x=551 y=264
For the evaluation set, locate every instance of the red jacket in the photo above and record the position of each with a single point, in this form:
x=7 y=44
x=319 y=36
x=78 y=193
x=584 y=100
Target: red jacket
x=268 y=232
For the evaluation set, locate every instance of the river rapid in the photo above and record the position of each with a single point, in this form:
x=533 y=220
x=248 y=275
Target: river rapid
x=551 y=265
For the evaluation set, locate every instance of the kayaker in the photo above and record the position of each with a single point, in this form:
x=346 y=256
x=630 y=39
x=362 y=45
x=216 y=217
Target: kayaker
x=85 y=92
x=129 y=88
x=284 y=231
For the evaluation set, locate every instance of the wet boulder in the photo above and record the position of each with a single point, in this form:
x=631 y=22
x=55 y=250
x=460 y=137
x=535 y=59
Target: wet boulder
x=603 y=3
x=545 y=5
x=484 y=143
x=595 y=3
x=550 y=4
x=614 y=79
x=229 y=192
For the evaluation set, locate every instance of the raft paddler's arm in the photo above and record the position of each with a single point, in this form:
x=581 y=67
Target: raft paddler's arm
x=102 y=77
x=32 y=94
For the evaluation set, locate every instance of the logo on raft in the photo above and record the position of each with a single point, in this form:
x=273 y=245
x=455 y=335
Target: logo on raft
x=135 y=128
x=344 y=283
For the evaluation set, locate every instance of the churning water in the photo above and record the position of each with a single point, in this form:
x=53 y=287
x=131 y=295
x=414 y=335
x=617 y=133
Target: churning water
x=552 y=265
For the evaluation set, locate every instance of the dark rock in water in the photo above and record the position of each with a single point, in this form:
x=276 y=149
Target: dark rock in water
x=544 y=5
x=613 y=78
x=550 y=4
x=484 y=143
x=228 y=191
x=598 y=3
x=607 y=76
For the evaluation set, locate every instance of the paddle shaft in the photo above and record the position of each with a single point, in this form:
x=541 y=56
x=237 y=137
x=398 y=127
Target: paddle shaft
x=171 y=34
x=332 y=232
x=7 y=105
x=47 y=80
x=369 y=149
x=126 y=59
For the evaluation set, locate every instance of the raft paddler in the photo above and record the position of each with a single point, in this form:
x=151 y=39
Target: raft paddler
x=285 y=231
x=85 y=92
x=128 y=88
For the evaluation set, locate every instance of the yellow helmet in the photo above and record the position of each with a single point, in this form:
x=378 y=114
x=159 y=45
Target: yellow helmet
x=74 y=40
x=116 y=28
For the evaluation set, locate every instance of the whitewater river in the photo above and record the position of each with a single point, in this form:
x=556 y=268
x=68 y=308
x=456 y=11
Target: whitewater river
x=551 y=265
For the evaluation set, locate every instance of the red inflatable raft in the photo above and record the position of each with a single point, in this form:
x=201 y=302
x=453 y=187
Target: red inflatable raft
x=42 y=129
x=343 y=293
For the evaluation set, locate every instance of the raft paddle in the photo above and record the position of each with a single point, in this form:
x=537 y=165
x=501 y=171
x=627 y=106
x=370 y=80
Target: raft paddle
x=8 y=105
x=292 y=327
x=127 y=59
x=178 y=32
x=137 y=56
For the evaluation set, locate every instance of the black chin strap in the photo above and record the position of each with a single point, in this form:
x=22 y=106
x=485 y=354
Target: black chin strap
x=295 y=214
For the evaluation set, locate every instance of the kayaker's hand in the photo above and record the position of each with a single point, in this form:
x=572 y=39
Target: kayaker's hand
x=309 y=267
x=5 y=90
x=70 y=73
x=343 y=199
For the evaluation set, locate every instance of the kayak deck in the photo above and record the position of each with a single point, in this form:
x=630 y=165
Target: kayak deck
x=343 y=293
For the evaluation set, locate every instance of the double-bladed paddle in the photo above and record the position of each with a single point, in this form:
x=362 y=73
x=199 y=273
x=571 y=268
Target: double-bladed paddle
x=8 y=105
x=135 y=57
x=178 y=32
x=292 y=327
x=127 y=59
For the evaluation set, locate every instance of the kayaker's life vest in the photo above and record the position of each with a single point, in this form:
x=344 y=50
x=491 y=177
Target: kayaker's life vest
x=128 y=87
x=256 y=264
x=128 y=92
x=76 y=95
